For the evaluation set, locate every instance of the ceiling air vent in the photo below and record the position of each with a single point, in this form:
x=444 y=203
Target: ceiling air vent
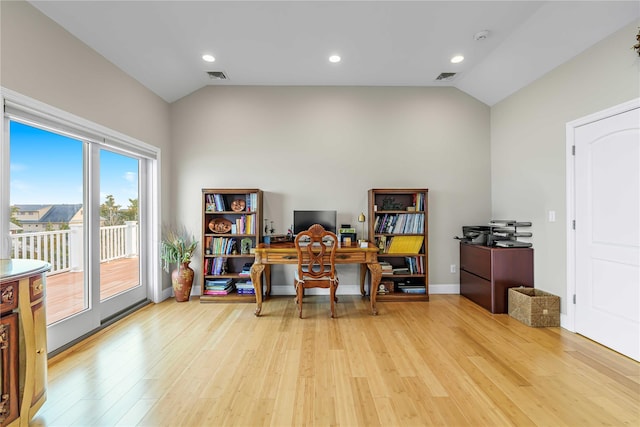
x=217 y=75
x=445 y=77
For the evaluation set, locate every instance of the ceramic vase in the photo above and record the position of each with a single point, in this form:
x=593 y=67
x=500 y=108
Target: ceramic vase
x=182 y=281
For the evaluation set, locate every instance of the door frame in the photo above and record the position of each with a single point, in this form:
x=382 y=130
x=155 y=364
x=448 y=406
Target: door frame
x=151 y=228
x=570 y=320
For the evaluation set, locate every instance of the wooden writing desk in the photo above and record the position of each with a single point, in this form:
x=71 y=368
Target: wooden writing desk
x=285 y=253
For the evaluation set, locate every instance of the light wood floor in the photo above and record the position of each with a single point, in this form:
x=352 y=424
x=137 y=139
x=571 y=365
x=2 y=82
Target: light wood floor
x=443 y=362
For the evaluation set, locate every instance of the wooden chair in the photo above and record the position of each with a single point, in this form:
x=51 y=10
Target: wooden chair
x=316 y=250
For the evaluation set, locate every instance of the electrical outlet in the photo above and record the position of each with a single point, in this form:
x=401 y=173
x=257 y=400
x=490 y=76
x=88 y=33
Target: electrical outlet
x=452 y=268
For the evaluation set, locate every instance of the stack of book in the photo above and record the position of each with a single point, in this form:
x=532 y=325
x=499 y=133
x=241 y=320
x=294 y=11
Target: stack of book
x=245 y=287
x=387 y=268
x=246 y=269
x=412 y=289
x=218 y=287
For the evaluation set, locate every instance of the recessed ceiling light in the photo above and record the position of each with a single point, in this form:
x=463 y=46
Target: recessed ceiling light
x=457 y=59
x=208 y=58
x=334 y=58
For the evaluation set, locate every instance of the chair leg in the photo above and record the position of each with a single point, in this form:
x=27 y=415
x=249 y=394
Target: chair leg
x=332 y=297
x=299 y=293
x=295 y=289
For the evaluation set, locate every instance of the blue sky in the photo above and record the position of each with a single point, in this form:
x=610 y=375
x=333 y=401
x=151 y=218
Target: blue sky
x=47 y=168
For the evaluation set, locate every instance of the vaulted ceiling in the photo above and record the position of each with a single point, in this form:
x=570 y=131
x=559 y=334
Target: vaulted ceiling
x=381 y=43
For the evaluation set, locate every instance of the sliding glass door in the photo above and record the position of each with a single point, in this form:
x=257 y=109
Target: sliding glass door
x=80 y=207
x=119 y=232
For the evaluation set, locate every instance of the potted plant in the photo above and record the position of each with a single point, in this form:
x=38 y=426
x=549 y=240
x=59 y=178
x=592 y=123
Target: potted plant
x=178 y=246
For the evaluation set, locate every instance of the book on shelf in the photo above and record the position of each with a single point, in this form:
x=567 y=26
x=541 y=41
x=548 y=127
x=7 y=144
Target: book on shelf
x=245 y=287
x=414 y=264
x=244 y=284
x=214 y=203
x=405 y=244
x=225 y=291
x=218 y=284
x=412 y=289
x=399 y=223
x=219 y=290
x=418 y=201
x=215 y=266
x=251 y=201
x=387 y=268
x=221 y=245
x=246 y=269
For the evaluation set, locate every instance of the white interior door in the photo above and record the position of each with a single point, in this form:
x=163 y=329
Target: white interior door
x=607 y=231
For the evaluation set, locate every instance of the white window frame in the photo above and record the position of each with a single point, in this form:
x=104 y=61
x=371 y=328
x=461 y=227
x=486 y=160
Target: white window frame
x=108 y=138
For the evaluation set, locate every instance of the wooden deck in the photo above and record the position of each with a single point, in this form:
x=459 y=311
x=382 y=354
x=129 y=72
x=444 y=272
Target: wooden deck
x=66 y=294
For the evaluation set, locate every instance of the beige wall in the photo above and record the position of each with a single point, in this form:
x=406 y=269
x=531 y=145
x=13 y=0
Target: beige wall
x=324 y=147
x=438 y=138
x=41 y=60
x=528 y=143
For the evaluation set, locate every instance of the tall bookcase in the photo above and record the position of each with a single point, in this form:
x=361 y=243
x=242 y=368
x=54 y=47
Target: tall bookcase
x=398 y=225
x=231 y=229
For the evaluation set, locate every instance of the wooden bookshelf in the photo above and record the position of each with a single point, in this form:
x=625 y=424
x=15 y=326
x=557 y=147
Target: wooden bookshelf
x=231 y=229
x=398 y=225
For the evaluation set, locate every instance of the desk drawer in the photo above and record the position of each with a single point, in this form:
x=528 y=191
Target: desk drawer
x=280 y=258
x=351 y=258
x=341 y=258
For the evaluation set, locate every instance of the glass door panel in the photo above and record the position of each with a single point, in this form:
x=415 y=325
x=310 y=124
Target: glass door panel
x=47 y=213
x=85 y=210
x=119 y=224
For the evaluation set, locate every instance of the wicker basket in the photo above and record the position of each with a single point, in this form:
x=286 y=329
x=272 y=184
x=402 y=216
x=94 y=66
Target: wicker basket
x=534 y=307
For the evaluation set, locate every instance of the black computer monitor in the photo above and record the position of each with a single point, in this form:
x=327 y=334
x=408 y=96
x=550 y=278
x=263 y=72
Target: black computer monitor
x=302 y=220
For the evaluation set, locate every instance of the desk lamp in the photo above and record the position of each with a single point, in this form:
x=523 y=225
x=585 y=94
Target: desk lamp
x=361 y=220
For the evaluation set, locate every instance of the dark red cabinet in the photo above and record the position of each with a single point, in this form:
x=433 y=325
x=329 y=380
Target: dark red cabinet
x=486 y=273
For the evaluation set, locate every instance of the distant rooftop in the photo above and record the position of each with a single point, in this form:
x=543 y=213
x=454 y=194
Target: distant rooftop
x=55 y=214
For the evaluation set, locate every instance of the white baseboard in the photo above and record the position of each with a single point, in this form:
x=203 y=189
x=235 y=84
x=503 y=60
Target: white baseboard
x=444 y=289
x=168 y=292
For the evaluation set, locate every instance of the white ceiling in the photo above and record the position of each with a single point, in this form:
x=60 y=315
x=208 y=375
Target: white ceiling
x=382 y=43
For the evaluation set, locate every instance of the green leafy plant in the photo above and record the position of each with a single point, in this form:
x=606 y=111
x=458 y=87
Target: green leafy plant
x=177 y=246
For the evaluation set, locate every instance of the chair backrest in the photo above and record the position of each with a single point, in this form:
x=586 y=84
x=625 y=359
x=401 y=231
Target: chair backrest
x=316 y=250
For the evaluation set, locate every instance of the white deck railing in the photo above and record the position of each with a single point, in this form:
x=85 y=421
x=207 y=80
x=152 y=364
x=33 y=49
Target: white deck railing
x=64 y=249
